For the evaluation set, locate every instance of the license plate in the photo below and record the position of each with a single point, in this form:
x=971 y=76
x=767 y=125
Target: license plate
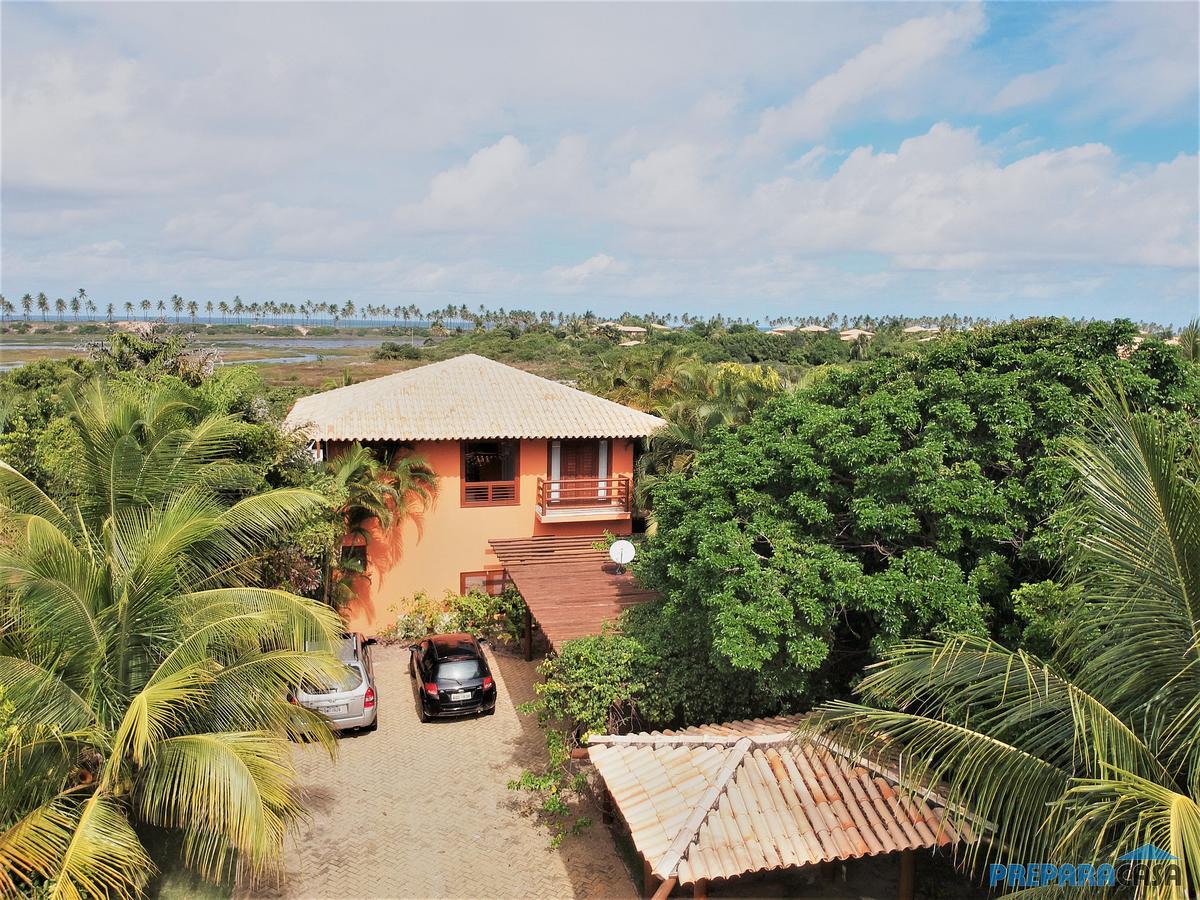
x=464 y=695
x=333 y=710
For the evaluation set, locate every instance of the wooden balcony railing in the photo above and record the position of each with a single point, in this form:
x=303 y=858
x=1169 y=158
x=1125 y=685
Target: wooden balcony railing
x=489 y=493
x=583 y=493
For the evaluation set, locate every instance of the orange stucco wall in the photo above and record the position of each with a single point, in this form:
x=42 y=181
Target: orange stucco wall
x=431 y=549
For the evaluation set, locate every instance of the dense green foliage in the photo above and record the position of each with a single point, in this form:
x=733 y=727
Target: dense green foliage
x=887 y=501
x=1093 y=751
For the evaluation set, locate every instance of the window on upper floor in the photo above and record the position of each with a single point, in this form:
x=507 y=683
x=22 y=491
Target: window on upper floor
x=489 y=472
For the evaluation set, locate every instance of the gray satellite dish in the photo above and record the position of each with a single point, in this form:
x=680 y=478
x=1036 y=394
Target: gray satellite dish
x=621 y=552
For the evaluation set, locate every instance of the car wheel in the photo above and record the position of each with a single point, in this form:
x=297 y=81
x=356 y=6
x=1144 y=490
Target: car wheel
x=373 y=726
x=490 y=712
x=421 y=717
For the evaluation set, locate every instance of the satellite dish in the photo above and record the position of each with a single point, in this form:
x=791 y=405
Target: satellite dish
x=621 y=552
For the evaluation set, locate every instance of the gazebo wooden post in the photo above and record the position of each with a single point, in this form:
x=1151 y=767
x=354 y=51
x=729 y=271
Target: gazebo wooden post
x=649 y=880
x=908 y=876
x=665 y=888
x=528 y=634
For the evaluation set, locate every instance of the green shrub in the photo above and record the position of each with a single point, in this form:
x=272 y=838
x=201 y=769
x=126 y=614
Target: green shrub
x=393 y=350
x=591 y=687
x=493 y=618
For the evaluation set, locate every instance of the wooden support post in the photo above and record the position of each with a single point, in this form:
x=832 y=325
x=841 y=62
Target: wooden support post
x=528 y=634
x=700 y=889
x=606 y=807
x=649 y=880
x=664 y=889
x=908 y=876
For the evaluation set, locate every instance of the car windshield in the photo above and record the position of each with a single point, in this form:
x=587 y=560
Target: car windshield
x=347 y=678
x=459 y=670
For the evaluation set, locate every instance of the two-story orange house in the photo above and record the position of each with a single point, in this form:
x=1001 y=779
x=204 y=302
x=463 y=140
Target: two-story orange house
x=516 y=456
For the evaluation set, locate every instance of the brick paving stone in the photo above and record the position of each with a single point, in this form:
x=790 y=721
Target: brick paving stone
x=423 y=810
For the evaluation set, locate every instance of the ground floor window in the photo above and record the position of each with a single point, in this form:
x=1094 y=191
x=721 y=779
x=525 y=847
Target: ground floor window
x=491 y=581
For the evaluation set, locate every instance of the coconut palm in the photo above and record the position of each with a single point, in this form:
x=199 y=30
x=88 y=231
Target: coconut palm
x=646 y=380
x=705 y=397
x=1189 y=341
x=1094 y=752
x=148 y=677
x=380 y=491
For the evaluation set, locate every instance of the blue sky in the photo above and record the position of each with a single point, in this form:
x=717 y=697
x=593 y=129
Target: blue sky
x=754 y=160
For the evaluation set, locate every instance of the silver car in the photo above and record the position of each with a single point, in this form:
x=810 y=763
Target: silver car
x=349 y=701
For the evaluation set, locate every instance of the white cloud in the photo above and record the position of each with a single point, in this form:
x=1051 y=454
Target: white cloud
x=943 y=201
x=241 y=226
x=499 y=186
x=885 y=66
x=577 y=276
x=1127 y=62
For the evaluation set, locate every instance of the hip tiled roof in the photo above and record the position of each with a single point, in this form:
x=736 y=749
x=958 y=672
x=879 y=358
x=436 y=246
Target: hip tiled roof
x=464 y=398
x=718 y=801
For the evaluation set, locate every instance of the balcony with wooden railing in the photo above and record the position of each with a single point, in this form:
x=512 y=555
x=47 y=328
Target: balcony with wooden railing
x=582 y=499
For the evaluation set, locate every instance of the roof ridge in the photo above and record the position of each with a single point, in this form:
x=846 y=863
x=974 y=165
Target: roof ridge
x=642 y=739
x=689 y=831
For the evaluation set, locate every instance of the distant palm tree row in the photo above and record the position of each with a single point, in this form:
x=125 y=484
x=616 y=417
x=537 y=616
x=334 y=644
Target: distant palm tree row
x=312 y=312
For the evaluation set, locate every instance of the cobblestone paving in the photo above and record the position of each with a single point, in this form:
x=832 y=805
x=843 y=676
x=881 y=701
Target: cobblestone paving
x=424 y=811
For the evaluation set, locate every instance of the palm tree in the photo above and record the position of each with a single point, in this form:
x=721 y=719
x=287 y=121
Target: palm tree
x=43 y=305
x=148 y=680
x=26 y=305
x=1189 y=341
x=372 y=491
x=703 y=399
x=644 y=380
x=383 y=491
x=1096 y=751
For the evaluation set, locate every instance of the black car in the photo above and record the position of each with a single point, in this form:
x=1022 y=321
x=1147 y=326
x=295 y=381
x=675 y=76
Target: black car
x=451 y=677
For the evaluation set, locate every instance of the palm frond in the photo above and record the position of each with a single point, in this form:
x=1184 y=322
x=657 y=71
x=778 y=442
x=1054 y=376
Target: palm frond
x=990 y=785
x=81 y=846
x=236 y=785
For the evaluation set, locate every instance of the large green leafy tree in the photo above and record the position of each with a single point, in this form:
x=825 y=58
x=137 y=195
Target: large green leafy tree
x=901 y=496
x=147 y=675
x=1095 y=750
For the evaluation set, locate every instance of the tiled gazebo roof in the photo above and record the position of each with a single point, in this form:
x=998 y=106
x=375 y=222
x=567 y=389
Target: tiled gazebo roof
x=718 y=801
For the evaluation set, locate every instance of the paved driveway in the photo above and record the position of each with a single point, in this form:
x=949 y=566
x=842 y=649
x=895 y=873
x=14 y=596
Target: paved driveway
x=424 y=811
